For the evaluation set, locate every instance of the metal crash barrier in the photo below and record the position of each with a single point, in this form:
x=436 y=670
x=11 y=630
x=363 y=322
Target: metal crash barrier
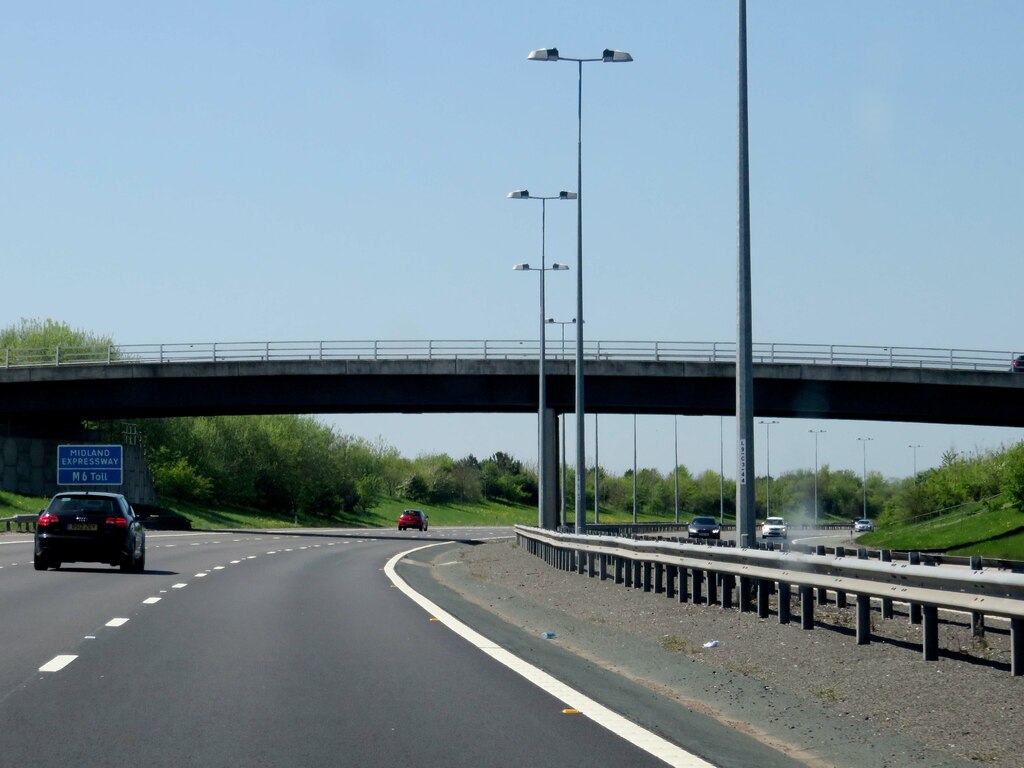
x=686 y=572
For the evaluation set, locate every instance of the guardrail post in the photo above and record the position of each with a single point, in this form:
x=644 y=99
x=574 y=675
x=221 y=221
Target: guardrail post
x=628 y=580
x=590 y=564
x=698 y=586
x=671 y=571
x=886 y=557
x=840 y=595
x=914 y=558
x=763 y=590
x=603 y=570
x=728 y=586
x=684 y=587
x=581 y=558
x=638 y=576
x=822 y=591
x=659 y=578
x=713 y=581
x=784 y=602
x=977 y=617
x=745 y=592
x=930 y=646
x=806 y=608
x=1017 y=647
x=618 y=570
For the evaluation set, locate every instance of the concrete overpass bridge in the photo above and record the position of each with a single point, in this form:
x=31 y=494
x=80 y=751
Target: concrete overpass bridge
x=47 y=393
x=66 y=385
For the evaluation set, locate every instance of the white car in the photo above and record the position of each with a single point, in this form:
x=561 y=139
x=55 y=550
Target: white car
x=863 y=525
x=774 y=527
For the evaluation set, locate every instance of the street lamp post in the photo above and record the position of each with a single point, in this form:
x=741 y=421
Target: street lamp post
x=768 y=464
x=675 y=470
x=611 y=56
x=562 y=323
x=634 y=469
x=864 y=472
x=914 y=449
x=542 y=406
x=816 y=432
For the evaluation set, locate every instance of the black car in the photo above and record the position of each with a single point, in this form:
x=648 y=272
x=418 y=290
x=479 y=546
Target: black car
x=704 y=528
x=80 y=526
x=1017 y=366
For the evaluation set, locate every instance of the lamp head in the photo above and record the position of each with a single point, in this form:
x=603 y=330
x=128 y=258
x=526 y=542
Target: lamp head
x=519 y=194
x=559 y=267
x=544 y=54
x=521 y=267
x=563 y=195
x=610 y=55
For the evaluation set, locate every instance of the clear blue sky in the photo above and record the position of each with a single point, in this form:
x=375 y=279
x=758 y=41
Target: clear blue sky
x=228 y=171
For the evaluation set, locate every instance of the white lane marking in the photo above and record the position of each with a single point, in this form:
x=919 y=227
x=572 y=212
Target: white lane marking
x=116 y=622
x=218 y=567
x=200 y=575
x=89 y=637
x=57 y=663
x=235 y=562
x=573 y=699
x=152 y=600
x=179 y=586
x=272 y=552
x=251 y=557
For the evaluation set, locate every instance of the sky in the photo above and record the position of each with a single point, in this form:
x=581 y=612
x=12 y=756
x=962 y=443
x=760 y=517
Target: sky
x=252 y=171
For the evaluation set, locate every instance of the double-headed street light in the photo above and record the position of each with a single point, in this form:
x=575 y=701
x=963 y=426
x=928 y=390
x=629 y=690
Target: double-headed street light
x=609 y=56
x=542 y=405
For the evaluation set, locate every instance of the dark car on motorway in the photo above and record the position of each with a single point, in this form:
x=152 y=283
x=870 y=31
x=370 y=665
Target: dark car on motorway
x=412 y=518
x=704 y=528
x=81 y=526
x=1017 y=366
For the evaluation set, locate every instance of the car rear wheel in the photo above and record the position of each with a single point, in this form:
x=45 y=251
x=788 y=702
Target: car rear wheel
x=40 y=563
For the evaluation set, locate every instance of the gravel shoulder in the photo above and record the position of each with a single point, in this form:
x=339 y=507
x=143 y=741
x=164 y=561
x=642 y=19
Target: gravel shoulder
x=815 y=695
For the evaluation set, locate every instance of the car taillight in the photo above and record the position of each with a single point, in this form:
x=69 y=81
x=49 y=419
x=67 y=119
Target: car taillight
x=46 y=519
x=119 y=522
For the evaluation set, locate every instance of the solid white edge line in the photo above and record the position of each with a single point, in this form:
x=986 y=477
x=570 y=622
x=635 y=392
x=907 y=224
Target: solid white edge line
x=573 y=699
x=57 y=663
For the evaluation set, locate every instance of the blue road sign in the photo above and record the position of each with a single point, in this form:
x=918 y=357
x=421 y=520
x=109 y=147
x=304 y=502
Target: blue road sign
x=90 y=465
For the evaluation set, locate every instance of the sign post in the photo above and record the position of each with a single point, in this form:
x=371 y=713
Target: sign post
x=90 y=465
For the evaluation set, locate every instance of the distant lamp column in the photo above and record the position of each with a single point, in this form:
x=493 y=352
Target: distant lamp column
x=768 y=464
x=914 y=449
x=609 y=56
x=816 y=432
x=563 y=323
x=675 y=471
x=634 y=469
x=864 y=472
x=542 y=432
x=597 y=475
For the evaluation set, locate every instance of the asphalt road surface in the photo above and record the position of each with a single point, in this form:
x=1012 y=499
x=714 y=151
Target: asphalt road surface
x=290 y=649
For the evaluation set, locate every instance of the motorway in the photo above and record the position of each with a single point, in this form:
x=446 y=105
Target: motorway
x=303 y=648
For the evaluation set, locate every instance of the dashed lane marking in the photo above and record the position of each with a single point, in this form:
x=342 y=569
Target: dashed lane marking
x=57 y=663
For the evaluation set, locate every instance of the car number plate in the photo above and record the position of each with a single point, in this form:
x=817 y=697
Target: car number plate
x=82 y=527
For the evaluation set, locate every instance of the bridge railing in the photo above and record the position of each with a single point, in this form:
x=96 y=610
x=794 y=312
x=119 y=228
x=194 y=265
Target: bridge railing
x=510 y=349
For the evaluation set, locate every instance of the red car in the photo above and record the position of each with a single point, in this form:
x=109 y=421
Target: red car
x=412 y=518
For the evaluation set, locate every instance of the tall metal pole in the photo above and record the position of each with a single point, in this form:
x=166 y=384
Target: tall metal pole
x=768 y=465
x=745 y=510
x=597 y=474
x=914 y=449
x=634 y=468
x=675 y=472
x=864 y=473
x=721 y=470
x=816 y=432
x=542 y=437
x=581 y=458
